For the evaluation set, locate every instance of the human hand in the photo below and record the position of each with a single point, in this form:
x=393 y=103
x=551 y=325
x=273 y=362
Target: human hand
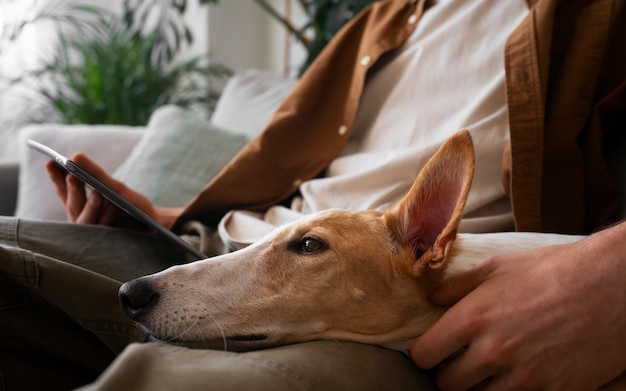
x=92 y=208
x=548 y=318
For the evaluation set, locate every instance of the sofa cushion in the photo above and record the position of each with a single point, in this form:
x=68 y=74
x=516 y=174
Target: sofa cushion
x=177 y=155
x=249 y=100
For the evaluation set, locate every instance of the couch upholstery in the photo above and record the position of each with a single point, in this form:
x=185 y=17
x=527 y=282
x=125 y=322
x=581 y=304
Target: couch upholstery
x=9 y=172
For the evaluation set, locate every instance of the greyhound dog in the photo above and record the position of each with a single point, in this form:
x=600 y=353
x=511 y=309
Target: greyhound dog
x=362 y=276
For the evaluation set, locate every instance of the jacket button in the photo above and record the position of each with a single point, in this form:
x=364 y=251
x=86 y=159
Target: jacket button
x=297 y=183
x=343 y=129
x=412 y=19
x=365 y=60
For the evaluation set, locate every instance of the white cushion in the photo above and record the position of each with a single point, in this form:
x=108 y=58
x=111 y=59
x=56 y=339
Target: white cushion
x=108 y=145
x=249 y=99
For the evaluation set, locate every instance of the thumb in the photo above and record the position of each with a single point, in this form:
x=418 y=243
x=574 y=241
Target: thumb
x=453 y=289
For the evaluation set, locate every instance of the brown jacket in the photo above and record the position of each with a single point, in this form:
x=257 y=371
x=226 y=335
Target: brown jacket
x=566 y=91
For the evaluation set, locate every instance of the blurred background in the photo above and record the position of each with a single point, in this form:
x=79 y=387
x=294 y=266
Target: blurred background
x=114 y=62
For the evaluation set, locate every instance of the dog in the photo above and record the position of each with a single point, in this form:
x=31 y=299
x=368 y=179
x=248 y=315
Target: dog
x=361 y=276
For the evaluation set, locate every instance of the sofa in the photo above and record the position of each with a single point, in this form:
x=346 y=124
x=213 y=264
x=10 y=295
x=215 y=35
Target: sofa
x=9 y=172
x=155 y=159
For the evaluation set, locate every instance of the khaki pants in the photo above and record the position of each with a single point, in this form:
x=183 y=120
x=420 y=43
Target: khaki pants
x=61 y=326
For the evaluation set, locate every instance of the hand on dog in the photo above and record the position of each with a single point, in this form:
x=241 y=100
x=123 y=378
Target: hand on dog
x=549 y=318
x=92 y=208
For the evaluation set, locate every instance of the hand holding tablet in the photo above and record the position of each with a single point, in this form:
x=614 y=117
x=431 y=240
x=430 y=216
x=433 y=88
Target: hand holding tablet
x=89 y=173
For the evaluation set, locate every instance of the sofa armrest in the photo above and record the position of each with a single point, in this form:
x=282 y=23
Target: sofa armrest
x=8 y=188
x=108 y=145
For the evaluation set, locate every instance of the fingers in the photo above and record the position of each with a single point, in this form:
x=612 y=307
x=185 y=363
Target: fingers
x=75 y=198
x=81 y=207
x=464 y=372
x=91 y=208
x=88 y=209
x=70 y=190
x=443 y=340
x=456 y=328
x=57 y=175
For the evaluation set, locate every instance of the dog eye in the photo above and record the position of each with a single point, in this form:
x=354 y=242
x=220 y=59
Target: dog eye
x=311 y=245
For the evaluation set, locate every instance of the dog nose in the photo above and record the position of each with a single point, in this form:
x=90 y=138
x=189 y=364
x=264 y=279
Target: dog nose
x=137 y=296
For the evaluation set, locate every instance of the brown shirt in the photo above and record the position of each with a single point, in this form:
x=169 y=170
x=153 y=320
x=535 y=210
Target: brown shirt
x=566 y=95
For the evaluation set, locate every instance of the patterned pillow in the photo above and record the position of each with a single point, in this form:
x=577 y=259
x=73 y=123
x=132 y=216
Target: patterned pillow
x=178 y=154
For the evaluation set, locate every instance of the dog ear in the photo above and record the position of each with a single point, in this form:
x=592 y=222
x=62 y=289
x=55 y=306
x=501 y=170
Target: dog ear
x=427 y=218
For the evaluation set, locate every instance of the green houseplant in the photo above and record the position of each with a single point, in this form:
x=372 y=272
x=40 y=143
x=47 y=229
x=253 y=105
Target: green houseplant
x=169 y=30
x=116 y=81
x=112 y=70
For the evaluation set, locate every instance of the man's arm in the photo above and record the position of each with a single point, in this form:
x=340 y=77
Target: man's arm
x=549 y=318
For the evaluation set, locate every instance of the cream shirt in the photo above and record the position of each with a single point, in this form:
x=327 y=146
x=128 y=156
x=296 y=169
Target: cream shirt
x=414 y=99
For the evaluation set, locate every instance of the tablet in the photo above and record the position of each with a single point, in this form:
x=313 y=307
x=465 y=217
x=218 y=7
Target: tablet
x=112 y=196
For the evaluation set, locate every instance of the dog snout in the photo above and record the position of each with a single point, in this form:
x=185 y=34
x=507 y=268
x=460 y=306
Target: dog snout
x=137 y=297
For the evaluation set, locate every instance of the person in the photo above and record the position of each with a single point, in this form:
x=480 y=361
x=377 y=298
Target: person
x=539 y=82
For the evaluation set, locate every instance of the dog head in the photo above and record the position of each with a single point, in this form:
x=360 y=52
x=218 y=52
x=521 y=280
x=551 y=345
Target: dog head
x=362 y=276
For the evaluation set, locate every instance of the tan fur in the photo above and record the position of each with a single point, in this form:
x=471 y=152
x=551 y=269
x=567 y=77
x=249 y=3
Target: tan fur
x=368 y=281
